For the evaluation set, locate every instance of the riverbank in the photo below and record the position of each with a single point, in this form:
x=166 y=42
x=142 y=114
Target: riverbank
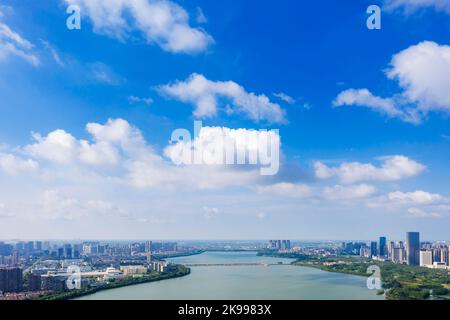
x=399 y=282
x=177 y=271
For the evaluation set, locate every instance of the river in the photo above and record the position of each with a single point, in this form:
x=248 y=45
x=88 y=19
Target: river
x=245 y=282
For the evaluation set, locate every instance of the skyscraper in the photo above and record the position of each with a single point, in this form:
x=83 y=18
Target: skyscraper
x=11 y=279
x=390 y=248
x=148 y=251
x=373 y=248
x=382 y=247
x=413 y=248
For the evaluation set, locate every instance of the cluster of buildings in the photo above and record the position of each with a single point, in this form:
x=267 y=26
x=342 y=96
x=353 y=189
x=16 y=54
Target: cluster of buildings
x=280 y=245
x=402 y=252
x=411 y=252
x=37 y=266
x=435 y=256
x=22 y=253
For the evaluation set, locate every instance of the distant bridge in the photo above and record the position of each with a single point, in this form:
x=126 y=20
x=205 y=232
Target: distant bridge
x=235 y=264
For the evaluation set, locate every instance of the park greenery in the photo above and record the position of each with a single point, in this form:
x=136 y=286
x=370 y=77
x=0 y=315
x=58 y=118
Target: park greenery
x=399 y=282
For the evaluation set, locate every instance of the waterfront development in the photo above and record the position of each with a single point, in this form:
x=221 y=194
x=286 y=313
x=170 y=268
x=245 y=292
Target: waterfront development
x=196 y=270
x=267 y=279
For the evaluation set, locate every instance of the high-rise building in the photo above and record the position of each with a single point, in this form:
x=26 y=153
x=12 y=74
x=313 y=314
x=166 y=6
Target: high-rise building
x=382 y=247
x=426 y=258
x=148 y=251
x=15 y=258
x=373 y=248
x=390 y=248
x=38 y=245
x=444 y=254
x=34 y=282
x=413 y=248
x=60 y=253
x=29 y=246
x=398 y=254
x=68 y=253
x=5 y=249
x=11 y=279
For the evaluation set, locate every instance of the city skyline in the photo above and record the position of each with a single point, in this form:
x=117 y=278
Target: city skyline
x=88 y=116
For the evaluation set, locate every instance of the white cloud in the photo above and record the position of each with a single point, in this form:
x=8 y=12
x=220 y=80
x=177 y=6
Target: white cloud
x=410 y=6
x=110 y=140
x=414 y=198
x=417 y=204
x=160 y=21
x=419 y=213
x=135 y=99
x=120 y=147
x=393 y=168
x=12 y=164
x=291 y=190
x=364 y=98
x=348 y=192
x=12 y=43
x=284 y=97
x=205 y=95
x=423 y=74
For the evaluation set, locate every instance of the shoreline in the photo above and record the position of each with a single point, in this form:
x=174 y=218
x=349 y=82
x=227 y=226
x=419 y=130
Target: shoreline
x=181 y=271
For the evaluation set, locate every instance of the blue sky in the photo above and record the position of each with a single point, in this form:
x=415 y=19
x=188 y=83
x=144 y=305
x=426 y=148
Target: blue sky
x=394 y=137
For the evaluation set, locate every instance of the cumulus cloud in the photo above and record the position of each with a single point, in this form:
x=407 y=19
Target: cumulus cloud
x=423 y=74
x=339 y=192
x=206 y=96
x=112 y=140
x=416 y=204
x=12 y=164
x=365 y=98
x=121 y=147
x=414 y=198
x=409 y=6
x=162 y=22
x=393 y=168
x=13 y=44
